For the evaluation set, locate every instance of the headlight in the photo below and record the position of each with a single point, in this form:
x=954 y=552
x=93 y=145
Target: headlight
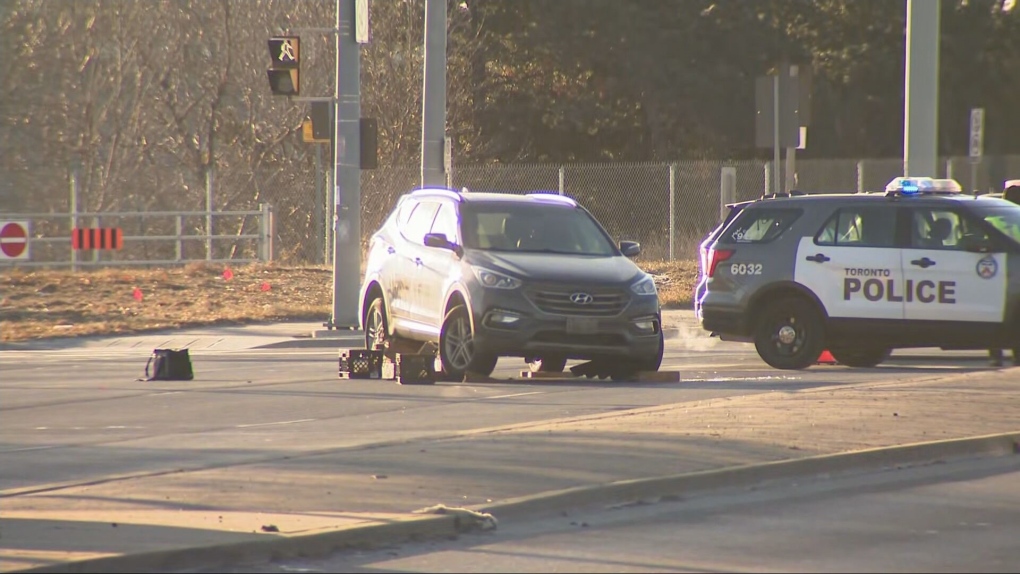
x=645 y=286
x=496 y=280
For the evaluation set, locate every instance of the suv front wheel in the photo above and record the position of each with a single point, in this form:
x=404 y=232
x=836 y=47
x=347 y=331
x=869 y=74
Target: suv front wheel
x=457 y=350
x=790 y=334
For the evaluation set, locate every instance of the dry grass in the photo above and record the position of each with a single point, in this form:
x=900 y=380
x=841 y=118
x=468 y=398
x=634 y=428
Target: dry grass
x=46 y=303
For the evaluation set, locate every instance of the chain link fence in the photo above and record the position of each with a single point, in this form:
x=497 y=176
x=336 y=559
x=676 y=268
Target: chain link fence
x=668 y=207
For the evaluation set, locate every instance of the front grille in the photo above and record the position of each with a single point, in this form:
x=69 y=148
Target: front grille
x=604 y=303
x=595 y=340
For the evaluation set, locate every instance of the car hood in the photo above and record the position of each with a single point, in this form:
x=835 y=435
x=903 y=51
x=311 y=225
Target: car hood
x=556 y=268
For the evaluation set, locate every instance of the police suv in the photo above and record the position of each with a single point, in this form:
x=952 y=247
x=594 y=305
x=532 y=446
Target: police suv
x=920 y=265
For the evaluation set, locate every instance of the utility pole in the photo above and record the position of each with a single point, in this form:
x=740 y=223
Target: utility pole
x=433 y=125
x=921 y=89
x=346 y=172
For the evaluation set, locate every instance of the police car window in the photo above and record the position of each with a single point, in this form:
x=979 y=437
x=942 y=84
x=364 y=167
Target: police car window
x=860 y=226
x=1004 y=219
x=759 y=225
x=941 y=229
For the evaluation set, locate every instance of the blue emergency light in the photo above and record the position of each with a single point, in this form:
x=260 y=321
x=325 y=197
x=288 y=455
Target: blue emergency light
x=917 y=185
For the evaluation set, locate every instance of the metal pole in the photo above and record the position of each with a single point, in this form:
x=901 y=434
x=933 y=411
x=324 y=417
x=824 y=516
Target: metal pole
x=208 y=213
x=433 y=125
x=318 y=217
x=562 y=177
x=920 y=113
x=347 y=170
x=775 y=134
x=672 y=209
x=791 y=169
x=74 y=214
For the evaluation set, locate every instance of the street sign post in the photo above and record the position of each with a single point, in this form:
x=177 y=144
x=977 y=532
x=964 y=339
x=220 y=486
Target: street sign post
x=977 y=143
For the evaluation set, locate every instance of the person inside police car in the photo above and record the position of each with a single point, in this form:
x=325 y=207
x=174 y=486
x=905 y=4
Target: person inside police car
x=1011 y=193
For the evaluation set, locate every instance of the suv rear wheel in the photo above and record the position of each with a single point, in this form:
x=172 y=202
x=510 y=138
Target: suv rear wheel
x=457 y=350
x=790 y=334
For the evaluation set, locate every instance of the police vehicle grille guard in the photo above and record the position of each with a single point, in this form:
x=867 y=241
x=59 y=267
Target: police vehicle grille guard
x=557 y=300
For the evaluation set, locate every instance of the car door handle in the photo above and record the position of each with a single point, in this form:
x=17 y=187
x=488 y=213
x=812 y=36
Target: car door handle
x=923 y=262
x=391 y=250
x=818 y=258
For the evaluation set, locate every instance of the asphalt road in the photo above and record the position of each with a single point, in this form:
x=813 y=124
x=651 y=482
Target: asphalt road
x=958 y=517
x=78 y=416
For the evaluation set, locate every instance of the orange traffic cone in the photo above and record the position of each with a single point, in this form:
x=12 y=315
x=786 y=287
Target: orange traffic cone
x=826 y=358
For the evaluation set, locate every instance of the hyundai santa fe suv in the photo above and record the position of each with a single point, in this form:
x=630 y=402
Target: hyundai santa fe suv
x=490 y=275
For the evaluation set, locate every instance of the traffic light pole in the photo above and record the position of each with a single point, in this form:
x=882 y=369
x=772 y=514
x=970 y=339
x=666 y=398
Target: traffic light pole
x=346 y=172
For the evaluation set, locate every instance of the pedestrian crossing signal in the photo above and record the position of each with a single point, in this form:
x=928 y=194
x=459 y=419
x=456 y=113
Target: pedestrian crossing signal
x=285 y=69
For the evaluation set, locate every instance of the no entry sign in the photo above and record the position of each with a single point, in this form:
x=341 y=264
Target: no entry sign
x=13 y=240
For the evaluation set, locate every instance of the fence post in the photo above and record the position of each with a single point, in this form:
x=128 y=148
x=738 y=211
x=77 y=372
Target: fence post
x=727 y=190
x=179 y=232
x=672 y=209
x=96 y=223
x=74 y=214
x=209 y=213
x=562 y=177
x=949 y=168
x=860 y=176
x=768 y=178
x=267 y=232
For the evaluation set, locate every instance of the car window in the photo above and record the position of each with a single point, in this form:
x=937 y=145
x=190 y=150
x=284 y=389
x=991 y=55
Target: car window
x=860 y=226
x=419 y=222
x=1005 y=219
x=759 y=225
x=518 y=226
x=446 y=223
x=933 y=228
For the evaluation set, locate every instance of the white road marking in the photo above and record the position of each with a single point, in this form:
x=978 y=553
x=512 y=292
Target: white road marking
x=514 y=395
x=274 y=424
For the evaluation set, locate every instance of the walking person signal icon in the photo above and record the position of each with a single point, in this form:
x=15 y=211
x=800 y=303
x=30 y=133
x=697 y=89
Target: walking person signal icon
x=285 y=69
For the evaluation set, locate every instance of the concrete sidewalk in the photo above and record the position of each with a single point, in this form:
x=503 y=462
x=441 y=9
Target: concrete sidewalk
x=298 y=334
x=176 y=521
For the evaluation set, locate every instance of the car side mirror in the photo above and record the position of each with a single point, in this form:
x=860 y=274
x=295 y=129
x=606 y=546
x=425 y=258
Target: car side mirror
x=439 y=240
x=630 y=248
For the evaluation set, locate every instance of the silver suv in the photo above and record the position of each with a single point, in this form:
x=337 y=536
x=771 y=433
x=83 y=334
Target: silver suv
x=489 y=275
x=919 y=265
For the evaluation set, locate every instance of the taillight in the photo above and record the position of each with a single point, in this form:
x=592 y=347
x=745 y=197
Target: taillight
x=717 y=256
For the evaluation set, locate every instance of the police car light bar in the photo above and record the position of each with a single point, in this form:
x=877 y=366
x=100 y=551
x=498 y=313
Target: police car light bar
x=917 y=185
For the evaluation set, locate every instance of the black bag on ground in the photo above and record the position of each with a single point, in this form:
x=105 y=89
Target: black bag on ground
x=169 y=365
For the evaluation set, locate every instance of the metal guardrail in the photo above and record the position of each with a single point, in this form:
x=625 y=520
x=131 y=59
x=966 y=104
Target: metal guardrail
x=49 y=240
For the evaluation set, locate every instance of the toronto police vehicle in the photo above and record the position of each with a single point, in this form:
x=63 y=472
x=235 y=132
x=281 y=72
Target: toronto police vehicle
x=861 y=274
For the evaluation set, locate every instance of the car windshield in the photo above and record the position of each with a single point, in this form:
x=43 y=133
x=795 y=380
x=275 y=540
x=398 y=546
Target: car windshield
x=533 y=228
x=1005 y=218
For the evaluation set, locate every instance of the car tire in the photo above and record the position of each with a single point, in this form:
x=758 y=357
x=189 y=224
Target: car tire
x=376 y=324
x=860 y=357
x=457 y=351
x=550 y=364
x=653 y=362
x=790 y=334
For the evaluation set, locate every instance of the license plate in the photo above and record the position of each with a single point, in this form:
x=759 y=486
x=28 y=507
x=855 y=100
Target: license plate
x=582 y=325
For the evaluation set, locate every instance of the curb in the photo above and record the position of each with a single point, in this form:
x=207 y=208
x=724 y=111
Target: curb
x=674 y=486
x=335 y=341
x=455 y=522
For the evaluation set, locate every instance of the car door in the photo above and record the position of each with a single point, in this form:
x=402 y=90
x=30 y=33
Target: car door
x=439 y=266
x=946 y=281
x=413 y=252
x=853 y=264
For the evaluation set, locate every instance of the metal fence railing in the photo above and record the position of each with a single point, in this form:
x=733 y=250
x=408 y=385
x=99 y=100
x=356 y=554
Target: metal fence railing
x=668 y=207
x=155 y=238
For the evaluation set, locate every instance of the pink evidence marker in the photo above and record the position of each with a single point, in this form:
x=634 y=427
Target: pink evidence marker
x=137 y=294
x=266 y=287
x=228 y=275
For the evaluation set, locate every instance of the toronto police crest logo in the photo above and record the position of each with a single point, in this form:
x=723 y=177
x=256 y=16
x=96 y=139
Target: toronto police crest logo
x=987 y=267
